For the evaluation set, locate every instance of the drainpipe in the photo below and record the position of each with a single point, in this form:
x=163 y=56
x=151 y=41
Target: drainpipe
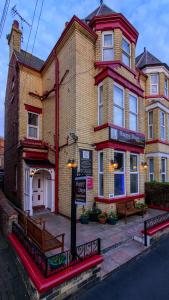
x=56 y=134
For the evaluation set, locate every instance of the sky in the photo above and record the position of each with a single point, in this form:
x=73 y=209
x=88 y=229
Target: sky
x=149 y=17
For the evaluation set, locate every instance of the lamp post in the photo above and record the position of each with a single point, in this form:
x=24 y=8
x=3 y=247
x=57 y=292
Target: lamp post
x=72 y=165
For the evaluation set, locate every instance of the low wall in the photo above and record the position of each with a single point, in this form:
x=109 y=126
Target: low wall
x=7 y=215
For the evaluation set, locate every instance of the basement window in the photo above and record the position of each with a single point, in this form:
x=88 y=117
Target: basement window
x=33 y=125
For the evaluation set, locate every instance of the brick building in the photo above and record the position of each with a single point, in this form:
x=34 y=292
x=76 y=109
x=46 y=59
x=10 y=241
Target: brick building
x=1 y=153
x=86 y=103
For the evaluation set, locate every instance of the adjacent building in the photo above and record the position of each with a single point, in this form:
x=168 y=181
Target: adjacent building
x=1 y=153
x=90 y=102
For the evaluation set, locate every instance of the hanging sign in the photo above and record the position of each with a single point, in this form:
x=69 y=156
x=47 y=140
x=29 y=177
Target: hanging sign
x=80 y=190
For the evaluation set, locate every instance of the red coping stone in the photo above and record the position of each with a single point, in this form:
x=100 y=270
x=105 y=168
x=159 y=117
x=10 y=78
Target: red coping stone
x=157 y=228
x=44 y=284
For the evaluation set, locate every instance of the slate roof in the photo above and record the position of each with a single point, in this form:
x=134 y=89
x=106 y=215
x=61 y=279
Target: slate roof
x=146 y=59
x=30 y=60
x=101 y=10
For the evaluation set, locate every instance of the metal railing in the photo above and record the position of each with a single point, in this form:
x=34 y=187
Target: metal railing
x=50 y=265
x=151 y=223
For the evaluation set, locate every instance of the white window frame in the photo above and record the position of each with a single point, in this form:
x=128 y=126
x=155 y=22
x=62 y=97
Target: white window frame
x=107 y=47
x=122 y=108
x=163 y=126
x=164 y=173
x=154 y=84
x=137 y=172
x=133 y=113
x=151 y=173
x=150 y=125
x=100 y=173
x=166 y=87
x=119 y=172
x=30 y=137
x=100 y=104
x=125 y=53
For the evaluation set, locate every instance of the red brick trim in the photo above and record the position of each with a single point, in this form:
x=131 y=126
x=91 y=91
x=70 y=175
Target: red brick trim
x=117 y=127
x=158 y=207
x=45 y=284
x=157 y=141
x=34 y=109
x=110 y=72
x=35 y=155
x=118 y=146
x=156 y=96
x=119 y=199
x=114 y=64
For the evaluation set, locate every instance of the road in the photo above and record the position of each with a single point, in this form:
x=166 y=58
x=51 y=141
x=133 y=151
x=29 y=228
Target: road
x=146 y=278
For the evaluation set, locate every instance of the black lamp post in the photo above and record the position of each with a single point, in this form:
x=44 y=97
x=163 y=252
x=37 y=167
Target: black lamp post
x=71 y=164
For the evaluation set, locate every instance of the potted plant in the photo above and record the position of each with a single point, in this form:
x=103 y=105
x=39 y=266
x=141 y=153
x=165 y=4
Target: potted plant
x=102 y=218
x=93 y=213
x=84 y=217
x=112 y=218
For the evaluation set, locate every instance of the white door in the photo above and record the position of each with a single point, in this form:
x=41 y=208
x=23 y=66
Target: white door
x=38 y=190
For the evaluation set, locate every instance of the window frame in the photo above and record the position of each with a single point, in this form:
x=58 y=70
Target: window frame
x=164 y=173
x=132 y=113
x=100 y=173
x=115 y=105
x=166 y=87
x=154 y=84
x=121 y=172
x=163 y=126
x=150 y=125
x=151 y=173
x=125 y=53
x=107 y=47
x=100 y=104
x=137 y=173
x=28 y=125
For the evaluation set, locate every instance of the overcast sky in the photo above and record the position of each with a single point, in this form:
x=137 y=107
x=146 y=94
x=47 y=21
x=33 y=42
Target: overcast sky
x=149 y=17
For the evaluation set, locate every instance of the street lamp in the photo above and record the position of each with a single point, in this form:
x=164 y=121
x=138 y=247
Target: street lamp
x=71 y=164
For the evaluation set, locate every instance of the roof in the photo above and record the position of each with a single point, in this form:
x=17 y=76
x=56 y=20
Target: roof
x=101 y=10
x=146 y=59
x=28 y=59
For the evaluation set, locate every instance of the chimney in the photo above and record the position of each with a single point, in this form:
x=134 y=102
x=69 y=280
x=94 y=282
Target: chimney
x=14 y=38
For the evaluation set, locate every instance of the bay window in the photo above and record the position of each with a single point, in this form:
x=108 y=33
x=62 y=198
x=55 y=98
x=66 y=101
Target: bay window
x=154 y=84
x=134 y=174
x=33 y=125
x=166 y=87
x=133 y=112
x=126 y=52
x=100 y=105
x=118 y=106
x=119 y=174
x=107 y=46
x=100 y=174
x=163 y=169
x=162 y=125
x=150 y=124
x=151 y=169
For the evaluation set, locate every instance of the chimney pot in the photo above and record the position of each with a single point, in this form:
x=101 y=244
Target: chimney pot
x=15 y=24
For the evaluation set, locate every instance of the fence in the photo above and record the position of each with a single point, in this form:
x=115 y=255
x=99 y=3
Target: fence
x=50 y=265
x=157 y=194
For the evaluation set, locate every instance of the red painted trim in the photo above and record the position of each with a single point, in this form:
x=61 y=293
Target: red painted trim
x=157 y=141
x=113 y=21
x=114 y=64
x=34 y=109
x=82 y=24
x=120 y=199
x=118 y=146
x=117 y=127
x=35 y=155
x=109 y=72
x=156 y=96
x=57 y=135
x=158 y=207
x=157 y=228
x=45 y=284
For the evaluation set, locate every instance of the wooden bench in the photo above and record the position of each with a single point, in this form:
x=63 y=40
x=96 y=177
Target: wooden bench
x=42 y=238
x=127 y=208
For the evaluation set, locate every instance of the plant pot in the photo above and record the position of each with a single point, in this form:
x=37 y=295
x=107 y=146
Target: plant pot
x=84 y=220
x=111 y=221
x=102 y=220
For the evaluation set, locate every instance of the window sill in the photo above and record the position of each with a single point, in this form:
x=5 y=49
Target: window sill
x=114 y=63
x=118 y=199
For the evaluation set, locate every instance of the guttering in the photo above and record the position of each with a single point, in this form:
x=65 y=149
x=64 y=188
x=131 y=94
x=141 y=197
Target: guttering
x=56 y=134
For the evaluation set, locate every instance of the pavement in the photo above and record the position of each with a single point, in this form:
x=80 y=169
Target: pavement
x=11 y=285
x=146 y=278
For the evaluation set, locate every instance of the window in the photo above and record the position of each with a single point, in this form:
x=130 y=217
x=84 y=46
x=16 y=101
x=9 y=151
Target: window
x=101 y=169
x=166 y=87
x=163 y=169
x=133 y=107
x=154 y=84
x=151 y=169
x=100 y=105
x=119 y=178
x=150 y=124
x=126 y=52
x=33 y=125
x=118 y=108
x=134 y=174
x=108 y=51
x=162 y=125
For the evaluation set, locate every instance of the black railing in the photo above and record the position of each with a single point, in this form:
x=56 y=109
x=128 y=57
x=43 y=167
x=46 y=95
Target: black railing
x=50 y=265
x=151 y=223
